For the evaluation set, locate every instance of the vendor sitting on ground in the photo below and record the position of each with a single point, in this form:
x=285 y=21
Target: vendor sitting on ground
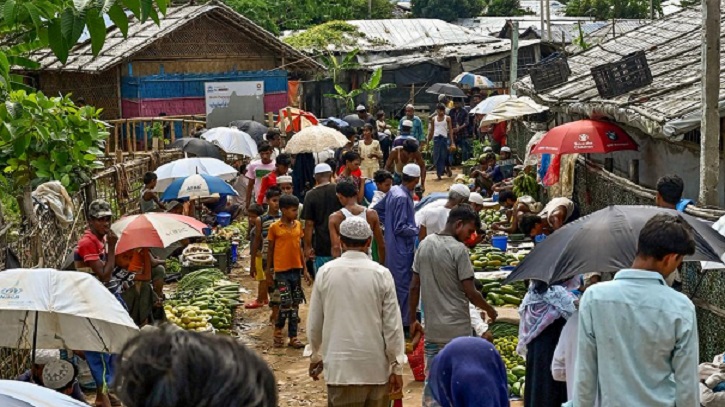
x=217 y=204
x=147 y=291
x=45 y=358
x=515 y=209
x=558 y=212
x=486 y=174
x=60 y=375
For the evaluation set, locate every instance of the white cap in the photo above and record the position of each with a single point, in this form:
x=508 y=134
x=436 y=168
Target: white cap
x=476 y=198
x=284 y=179
x=441 y=98
x=322 y=168
x=409 y=106
x=356 y=228
x=459 y=189
x=412 y=170
x=45 y=356
x=487 y=149
x=360 y=108
x=407 y=123
x=58 y=374
x=505 y=149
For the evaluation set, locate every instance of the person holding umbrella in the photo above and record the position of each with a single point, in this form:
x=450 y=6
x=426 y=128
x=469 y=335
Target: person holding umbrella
x=440 y=132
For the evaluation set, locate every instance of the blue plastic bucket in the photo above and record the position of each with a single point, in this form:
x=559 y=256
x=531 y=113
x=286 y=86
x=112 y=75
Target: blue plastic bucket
x=223 y=219
x=500 y=242
x=370 y=189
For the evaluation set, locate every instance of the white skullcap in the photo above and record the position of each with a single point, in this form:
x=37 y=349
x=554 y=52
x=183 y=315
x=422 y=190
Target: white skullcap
x=505 y=149
x=476 y=198
x=408 y=123
x=322 y=168
x=412 y=170
x=58 y=374
x=441 y=98
x=360 y=108
x=45 y=356
x=356 y=228
x=459 y=189
x=284 y=179
x=409 y=106
x=487 y=149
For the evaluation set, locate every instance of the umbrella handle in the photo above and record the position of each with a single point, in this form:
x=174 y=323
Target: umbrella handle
x=35 y=337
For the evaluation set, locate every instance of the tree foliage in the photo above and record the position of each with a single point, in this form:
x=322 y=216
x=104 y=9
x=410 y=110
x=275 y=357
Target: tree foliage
x=609 y=9
x=448 y=10
x=503 y=8
x=372 y=87
x=281 y=15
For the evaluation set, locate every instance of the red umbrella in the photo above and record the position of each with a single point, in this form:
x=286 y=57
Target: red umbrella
x=155 y=230
x=585 y=137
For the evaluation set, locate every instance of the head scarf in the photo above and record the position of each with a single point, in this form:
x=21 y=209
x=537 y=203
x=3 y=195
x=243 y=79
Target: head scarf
x=539 y=310
x=469 y=372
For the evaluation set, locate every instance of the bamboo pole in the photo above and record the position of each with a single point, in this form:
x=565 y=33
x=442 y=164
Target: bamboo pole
x=710 y=125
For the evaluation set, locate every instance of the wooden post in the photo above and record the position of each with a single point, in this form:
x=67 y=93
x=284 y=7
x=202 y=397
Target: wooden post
x=173 y=130
x=634 y=171
x=548 y=23
x=145 y=137
x=514 y=55
x=542 y=19
x=270 y=119
x=710 y=125
x=130 y=132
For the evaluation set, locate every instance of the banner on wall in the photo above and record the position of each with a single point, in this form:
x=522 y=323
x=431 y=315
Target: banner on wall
x=230 y=101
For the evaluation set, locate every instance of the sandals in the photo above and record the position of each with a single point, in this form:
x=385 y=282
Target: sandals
x=278 y=339
x=295 y=343
x=254 y=305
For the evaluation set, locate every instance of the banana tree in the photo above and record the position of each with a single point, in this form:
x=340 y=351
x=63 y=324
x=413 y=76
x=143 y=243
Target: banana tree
x=335 y=67
x=347 y=97
x=373 y=87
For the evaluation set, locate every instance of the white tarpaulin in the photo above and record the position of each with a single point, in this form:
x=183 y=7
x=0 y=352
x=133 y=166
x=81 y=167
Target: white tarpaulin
x=14 y=393
x=54 y=195
x=73 y=309
x=513 y=109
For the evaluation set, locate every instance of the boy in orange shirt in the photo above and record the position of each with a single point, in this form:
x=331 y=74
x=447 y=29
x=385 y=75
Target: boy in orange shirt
x=286 y=266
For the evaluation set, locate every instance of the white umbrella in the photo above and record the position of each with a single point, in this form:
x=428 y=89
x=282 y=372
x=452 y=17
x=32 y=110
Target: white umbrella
x=513 y=109
x=490 y=103
x=14 y=393
x=315 y=139
x=232 y=141
x=51 y=309
x=187 y=167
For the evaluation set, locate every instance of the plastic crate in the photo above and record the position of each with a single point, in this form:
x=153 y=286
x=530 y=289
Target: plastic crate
x=223 y=261
x=617 y=78
x=550 y=72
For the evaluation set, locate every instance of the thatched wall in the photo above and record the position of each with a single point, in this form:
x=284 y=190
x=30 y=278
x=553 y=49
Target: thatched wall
x=101 y=90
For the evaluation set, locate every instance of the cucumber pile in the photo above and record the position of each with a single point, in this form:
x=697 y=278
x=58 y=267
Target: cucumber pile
x=491 y=216
x=204 y=301
x=498 y=295
x=515 y=369
x=490 y=258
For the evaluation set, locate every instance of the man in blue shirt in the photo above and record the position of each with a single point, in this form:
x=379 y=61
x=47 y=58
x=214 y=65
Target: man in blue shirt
x=417 y=129
x=637 y=341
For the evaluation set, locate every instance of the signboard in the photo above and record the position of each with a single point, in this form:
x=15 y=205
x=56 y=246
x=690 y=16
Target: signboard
x=229 y=101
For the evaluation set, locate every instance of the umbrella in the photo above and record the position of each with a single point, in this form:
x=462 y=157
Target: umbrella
x=292 y=119
x=14 y=393
x=61 y=310
x=353 y=120
x=487 y=105
x=189 y=166
x=338 y=122
x=232 y=141
x=198 y=147
x=606 y=241
x=155 y=230
x=197 y=186
x=255 y=129
x=585 y=137
x=315 y=139
x=470 y=80
x=513 y=109
x=446 y=89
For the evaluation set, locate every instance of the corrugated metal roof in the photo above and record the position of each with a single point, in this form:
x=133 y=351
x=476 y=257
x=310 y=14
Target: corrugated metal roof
x=672 y=46
x=142 y=34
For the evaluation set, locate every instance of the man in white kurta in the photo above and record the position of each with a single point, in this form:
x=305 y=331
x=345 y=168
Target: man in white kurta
x=354 y=325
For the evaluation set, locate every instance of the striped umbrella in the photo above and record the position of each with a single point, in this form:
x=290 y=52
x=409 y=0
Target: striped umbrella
x=155 y=230
x=197 y=186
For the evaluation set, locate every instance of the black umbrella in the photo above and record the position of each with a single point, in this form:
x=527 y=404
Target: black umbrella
x=353 y=120
x=198 y=147
x=606 y=241
x=447 y=89
x=255 y=129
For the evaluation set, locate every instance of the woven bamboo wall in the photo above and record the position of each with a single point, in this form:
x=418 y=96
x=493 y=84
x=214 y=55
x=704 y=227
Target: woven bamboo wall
x=99 y=90
x=204 y=45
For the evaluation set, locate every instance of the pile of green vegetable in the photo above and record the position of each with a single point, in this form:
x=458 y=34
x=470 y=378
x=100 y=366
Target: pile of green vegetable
x=204 y=300
x=509 y=295
x=525 y=184
x=490 y=258
x=237 y=229
x=173 y=265
x=491 y=216
x=515 y=369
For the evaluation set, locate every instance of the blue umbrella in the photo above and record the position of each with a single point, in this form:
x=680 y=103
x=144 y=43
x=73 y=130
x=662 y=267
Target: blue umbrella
x=338 y=122
x=197 y=186
x=473 y=81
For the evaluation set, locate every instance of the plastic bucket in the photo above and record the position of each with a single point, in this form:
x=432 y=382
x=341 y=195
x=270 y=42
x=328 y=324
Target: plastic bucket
x=500 y=242
x=223 y=219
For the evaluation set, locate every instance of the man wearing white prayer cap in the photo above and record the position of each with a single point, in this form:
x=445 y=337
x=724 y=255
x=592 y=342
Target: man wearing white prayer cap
x=432 y=218
x=60 y=375
x=36 y=374
x=344 y=287
x=397 y=212
x=320 y=202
